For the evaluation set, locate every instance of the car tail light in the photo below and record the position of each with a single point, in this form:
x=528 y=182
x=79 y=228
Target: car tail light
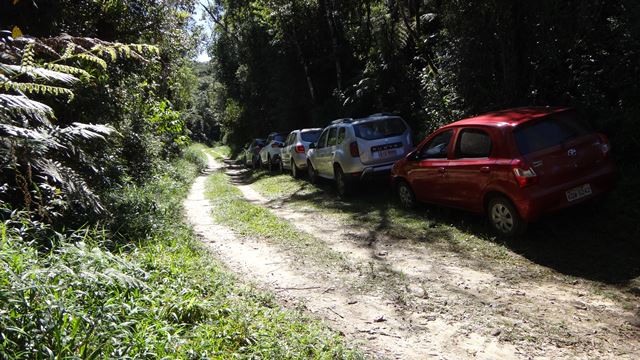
x=524 y=174
x=300 y=149
x=353 y=148
x=604 y=145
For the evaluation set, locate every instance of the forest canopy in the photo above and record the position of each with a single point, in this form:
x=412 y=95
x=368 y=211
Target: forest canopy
x=285 y=64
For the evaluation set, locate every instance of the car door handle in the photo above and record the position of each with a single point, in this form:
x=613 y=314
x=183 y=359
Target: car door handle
x=485 y=169
x=442 y=170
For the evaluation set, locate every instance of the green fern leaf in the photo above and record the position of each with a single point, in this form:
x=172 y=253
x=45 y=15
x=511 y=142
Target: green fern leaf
x=36 y=72
x=40 y=89
x=68 y=51
x=67 y=70
x=28 y=55
x=93 y=59
x=12 y=105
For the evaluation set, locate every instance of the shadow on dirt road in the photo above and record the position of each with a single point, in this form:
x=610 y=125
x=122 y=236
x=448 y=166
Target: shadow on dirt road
x=583 y=242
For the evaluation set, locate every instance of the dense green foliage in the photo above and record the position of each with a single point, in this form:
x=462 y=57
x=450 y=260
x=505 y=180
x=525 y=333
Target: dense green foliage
x=161 y=298
x=85 y=117
x=95 y=261
x=280 y=65
x=284 y=64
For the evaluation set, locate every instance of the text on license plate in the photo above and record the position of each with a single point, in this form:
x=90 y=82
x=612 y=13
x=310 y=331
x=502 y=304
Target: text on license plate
x=384 y=154
x=578 y=192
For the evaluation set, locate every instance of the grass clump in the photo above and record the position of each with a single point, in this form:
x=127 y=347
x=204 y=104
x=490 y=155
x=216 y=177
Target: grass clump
x=220 y=152
x=195 y=154
x=158 y=297
x=253 y=220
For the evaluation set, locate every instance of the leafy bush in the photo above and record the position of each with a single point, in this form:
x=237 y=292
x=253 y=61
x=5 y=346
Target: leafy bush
x=163 y=297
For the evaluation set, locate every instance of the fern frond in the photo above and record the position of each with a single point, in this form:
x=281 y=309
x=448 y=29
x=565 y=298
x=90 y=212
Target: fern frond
x=67 y=69
x=28 y=54
x=36 y=72
x=68 y=51
x=86 y=131
x=93 y=59
x=39 y=137
x=75 y=188
x=16 y=105
x=34 y=88
x=125 y=50
x=107 y=50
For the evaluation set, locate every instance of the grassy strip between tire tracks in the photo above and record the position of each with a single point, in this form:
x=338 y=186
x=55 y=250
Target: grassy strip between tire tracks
x=253 y=220
x=162 y=297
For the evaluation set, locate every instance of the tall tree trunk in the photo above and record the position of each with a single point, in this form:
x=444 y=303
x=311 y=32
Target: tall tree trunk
x=304 y=64
x=329 y=8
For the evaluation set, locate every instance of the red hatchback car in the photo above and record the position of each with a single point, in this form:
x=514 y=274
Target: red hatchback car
x=514 y=165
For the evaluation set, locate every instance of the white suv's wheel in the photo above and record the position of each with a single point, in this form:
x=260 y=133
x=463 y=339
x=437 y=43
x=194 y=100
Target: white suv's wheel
x=342 y=183
x=280 y=167
x=313 y=175
x=295 y=172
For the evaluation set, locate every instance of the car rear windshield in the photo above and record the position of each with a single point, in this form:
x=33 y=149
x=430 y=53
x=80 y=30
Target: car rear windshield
x=310 y=135
x=379 y=129
x=550 y=131
x=280 y=138
x=260 y=142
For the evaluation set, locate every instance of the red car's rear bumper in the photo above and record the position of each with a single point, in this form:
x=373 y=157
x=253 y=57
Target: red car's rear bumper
x=538 y=201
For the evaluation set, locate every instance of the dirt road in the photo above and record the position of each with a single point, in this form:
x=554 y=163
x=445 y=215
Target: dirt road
x=402 y=300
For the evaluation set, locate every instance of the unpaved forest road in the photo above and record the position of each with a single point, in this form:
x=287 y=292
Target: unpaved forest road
x=444 y=308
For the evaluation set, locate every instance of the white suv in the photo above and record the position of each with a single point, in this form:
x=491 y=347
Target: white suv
x=349 y=150
x=270 y=153
x=294 y=156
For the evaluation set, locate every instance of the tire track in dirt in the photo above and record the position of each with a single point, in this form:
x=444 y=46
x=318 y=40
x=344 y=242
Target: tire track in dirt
x=448 y=310
x=369 y=322
x=538 y=317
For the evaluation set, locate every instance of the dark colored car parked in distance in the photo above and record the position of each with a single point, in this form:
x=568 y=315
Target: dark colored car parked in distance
x=251 y=153
x=513 y=165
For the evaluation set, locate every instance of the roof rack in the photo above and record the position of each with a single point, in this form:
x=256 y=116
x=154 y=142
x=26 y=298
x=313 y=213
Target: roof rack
x=342 y=121
x=382 y=114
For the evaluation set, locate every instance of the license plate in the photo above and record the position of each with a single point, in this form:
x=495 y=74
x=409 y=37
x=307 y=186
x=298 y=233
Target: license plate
x=384 y=154
x=578 y=192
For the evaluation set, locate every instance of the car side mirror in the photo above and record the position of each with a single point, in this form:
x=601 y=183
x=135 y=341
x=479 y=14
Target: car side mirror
x=312 y=145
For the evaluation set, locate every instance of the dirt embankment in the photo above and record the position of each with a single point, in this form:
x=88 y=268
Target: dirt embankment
x=416 y=302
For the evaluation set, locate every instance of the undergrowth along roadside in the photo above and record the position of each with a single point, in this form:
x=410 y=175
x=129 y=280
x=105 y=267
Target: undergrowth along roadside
x=161 y=297
x=220 y=152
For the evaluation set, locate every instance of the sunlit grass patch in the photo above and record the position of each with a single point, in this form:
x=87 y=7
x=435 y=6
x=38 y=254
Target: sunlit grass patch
x=220 y=152
x=195 y=154
x=253 y=220
x=282 y=186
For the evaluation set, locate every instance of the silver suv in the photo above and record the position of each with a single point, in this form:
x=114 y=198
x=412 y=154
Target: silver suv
x=293 y=154
x=349 y=150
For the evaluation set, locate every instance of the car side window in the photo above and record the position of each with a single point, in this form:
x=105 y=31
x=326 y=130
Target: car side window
x=437 y=147
x=323 y=139
x=341 y=134
x=473 y=143
x=332 y=137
